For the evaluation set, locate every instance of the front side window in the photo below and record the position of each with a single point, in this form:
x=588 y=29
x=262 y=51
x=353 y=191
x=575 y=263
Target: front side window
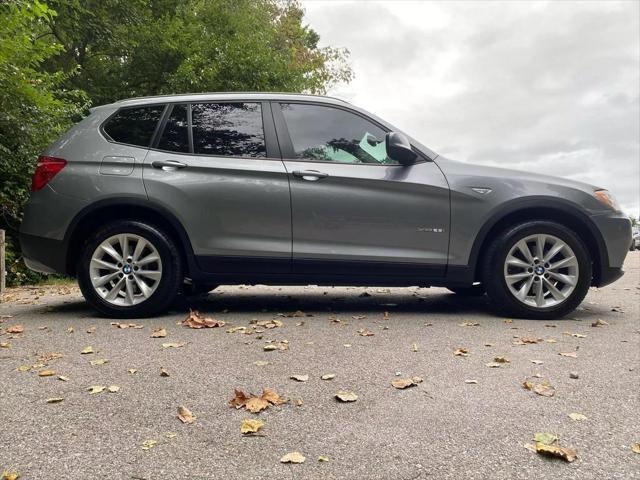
x=175 y=137
x=228 y=129
x=134 y=126
x=327 y=134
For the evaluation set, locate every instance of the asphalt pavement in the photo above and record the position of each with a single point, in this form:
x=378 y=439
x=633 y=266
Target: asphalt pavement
x=465 y=420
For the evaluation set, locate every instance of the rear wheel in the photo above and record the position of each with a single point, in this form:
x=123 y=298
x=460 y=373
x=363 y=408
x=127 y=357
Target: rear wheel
x=129 y=269
x=538 y=270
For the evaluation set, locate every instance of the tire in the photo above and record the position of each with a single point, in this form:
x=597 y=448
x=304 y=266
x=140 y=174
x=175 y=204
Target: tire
x=471 y=291
x=556 y=302
x=152 y=291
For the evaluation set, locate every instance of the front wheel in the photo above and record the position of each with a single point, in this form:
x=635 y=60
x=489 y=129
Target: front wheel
x=537 y=269
x=129 y=269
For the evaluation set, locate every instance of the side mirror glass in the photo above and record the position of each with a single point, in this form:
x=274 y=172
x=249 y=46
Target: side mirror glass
x=399 y=149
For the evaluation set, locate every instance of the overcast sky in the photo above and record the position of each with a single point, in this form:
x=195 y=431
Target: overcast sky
x=550 y=87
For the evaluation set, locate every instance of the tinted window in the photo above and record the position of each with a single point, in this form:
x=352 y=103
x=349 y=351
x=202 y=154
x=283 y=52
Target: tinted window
x=175 y=136
x=134 y=125
x=334 y=135
x=228 y=129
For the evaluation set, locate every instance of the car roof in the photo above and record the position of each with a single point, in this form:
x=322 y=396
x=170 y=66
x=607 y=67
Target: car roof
x=198 y=97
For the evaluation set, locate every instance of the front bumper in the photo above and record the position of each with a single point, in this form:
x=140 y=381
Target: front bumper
x=615 y=232
x=44 y=255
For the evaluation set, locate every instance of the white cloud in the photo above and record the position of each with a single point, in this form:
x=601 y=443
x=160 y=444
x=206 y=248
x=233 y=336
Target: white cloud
x=552 y=87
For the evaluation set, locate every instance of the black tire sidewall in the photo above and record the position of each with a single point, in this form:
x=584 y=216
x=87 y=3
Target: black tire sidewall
x=495 y=283
x=171 y=270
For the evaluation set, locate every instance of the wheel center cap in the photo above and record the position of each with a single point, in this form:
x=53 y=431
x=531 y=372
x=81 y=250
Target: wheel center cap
x=126 y=269
x=539 y=270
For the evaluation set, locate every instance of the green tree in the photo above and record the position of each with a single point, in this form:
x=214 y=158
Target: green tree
x=35 y=108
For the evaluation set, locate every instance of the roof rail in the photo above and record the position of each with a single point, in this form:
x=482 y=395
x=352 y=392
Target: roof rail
x=229 y=93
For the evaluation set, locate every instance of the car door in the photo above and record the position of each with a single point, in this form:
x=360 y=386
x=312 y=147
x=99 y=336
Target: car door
x=216 y=166
x=354 y=210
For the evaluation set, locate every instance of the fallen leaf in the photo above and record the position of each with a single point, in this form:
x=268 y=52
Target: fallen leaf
x=537 y=362
x=132 y=370
x=414 y=347
x=268 y=324
x=163 y=372
x=172 y=345
x=251 y=425
x=269 y=347
x=545 y=438
x=493 y=365
x=567 y=454
x=469 y=324
x=365 y=333
x=261 y=363
x=328 y=376
x=323 y=458
x=358 y=317
x=23 y=368
x=402 y=383
x=96 y=389
x=578 y=417
x=185 y=415
x=527 y=340
x=599 y=323
x=196 y=320
x=70 y=330
x=299 y=402
x=272 y=397
x=148 y=444
x=635 y=448
x=159 y=333
x=46 y=373
x=346 y=396
x=471 y=382
x=99 y=361
x=55 y=400
x=5 y=345
x=569 y=354
x=293 y=457
x=299 y=378
x=15 y=329
x=7 y=475
x=501 y=360
x=113 y=388
x=256 y=404
x=461 y=352
x=63 y=378
x=87 y=350
x=543 y=388
x=91 y=329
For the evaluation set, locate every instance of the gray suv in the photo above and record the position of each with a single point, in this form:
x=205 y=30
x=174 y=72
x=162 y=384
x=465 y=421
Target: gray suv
x=151 y=197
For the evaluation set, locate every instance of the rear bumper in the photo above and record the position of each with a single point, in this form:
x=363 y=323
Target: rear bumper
x=45 y=255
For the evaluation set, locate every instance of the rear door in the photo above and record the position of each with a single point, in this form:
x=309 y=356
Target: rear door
x=354 y=210
x=217 y=167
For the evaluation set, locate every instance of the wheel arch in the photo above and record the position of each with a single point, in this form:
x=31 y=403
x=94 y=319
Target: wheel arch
x=91 y=217
x=550 y=210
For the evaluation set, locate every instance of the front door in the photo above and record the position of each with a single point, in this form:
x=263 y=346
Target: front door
x=354 y=210
x=214 y=168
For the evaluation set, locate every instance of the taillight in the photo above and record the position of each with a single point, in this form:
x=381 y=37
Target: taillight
x=47 y=168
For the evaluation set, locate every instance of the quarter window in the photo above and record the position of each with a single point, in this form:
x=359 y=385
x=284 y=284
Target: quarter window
x=175 y=137
x=334 y=135
x=228 y=129
x=134 y=126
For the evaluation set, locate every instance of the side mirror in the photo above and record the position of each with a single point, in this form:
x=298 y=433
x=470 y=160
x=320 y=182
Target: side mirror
x=399 y=149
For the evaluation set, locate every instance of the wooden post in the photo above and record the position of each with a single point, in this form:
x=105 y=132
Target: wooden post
x=2 y=284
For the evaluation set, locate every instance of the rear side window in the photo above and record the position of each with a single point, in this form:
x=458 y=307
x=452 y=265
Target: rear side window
x=134 y=126
x=228 y=129
x=175 y=137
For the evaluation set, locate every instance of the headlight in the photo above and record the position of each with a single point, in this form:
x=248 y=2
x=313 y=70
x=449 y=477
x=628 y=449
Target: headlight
x=607 y=198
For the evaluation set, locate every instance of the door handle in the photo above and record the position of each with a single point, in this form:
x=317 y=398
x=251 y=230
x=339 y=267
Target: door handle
x=310 y=175
x=168 y=165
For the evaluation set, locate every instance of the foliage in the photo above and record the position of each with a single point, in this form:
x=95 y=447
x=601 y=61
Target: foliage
x=57 y=57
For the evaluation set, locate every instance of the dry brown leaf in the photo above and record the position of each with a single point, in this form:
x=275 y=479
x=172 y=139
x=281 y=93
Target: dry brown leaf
x=159 y=333
x=55 y=400
x=185 y=415
x=132 y=370
x=164 y=372
x=323 y=458
x=501 y=360
x=328 y=376
x=414 y=348
x=172 y=345
x=346 y=396
x=461 y=352
x=239 y=400
x=569 y=354
x=96 y=389
x=544 y=389
x=251 y=425
x=402 y=383
x=471 y=382
x=293 y=457
x=256 y=404
x=537 y=362
x=46 y=373
x=469 y=324
x=63 y=378
x=635 y=448
x=578 y=417
x=148 y=444
x=5 y=345
x=358 y=317
x=261 y=363
x=91 y=329
x=113 y=388
x=99 y=361
x=567 y=454
x=15 y=329
x=599 y=323
x=365 y=333
x=493 y=365
x=196 y=320
x=299 y=378
x=273 y=397
x=527 y=340
x=87 y=350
